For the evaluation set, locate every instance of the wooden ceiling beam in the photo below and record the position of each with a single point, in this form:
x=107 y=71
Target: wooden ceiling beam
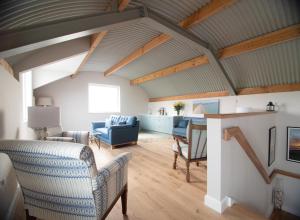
x=245 y=91
x=155 y=42
x=266 y=40
x=206 y=11
x=123 y=5
x=201 y=60
x=6 y=66
x=95 y=39
x=201 y=14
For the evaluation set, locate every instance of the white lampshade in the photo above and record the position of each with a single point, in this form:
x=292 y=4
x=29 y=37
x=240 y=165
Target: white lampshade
x=43 y=117
x=44 y=101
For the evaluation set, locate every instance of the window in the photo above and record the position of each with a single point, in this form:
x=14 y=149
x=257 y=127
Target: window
x=104 y=98
x=26 y=82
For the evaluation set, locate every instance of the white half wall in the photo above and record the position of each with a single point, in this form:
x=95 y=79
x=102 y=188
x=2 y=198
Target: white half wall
x=71 y=95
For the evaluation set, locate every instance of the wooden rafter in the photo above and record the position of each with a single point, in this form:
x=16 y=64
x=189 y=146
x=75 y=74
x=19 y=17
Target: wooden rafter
x=171 y=70
x=6 y=66
x=201 y=14
x=244 y=91
x=138 y=53
x=266 y=40
x=123 y=5
x=95 y=39
x=206 y=11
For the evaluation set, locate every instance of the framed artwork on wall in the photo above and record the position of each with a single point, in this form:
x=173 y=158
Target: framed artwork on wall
x=293 y=144
x=272 y=145
x=205 y=107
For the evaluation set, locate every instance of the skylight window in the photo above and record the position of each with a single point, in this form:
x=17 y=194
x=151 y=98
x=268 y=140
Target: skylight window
x=104 y=98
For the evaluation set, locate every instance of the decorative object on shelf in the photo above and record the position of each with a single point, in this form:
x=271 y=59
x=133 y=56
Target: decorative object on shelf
x=270 y=107
x=162 y=111
x=178 y=106
x=41 y=118
x=272 y=145
x=293 y=144
x=243 y=109
x=278 y=194
x=206 y=107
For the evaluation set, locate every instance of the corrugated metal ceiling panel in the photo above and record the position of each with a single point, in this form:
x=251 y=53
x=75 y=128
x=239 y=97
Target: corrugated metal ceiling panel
x=117 y=44
x=246 y=19
x=16 y=13
x=174 y=10
x=278 y=64
x=168 y=54
x=193 y=80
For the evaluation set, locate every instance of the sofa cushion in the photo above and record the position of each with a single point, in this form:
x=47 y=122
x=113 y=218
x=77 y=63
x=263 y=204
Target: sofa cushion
x=114 y=119
x=122 y=123
x=183 y=123
x=179 y=131
x=131 y=120
x=107 y=123
x=102 y=130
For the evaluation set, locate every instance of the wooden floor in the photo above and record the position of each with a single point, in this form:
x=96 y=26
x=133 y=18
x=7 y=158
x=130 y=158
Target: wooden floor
x=156 y=191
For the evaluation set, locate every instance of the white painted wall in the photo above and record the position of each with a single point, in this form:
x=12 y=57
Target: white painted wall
x=237 y=177
x=71 y=95
x=10 y=105
x=288 y=115
x=10 y=117
x=56 y=70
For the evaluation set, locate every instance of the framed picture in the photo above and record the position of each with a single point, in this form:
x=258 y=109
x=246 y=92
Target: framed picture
x=293 y=144
x=272 y=145
x=205 y=107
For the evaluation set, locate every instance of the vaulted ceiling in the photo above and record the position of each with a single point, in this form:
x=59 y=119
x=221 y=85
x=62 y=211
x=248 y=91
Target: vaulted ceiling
x=239 y=26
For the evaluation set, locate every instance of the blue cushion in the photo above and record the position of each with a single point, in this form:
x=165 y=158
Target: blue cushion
x=114 y=119
x=122 y=123
x=131 y=120
x=183 y=123
x=179 y=131
x=107 y=123
x=102 y=130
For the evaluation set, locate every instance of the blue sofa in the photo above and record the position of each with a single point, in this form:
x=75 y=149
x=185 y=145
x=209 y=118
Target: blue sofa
x=117 y=130
x=180 y=124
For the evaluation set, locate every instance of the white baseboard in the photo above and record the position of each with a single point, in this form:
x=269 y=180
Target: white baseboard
x=217 y=205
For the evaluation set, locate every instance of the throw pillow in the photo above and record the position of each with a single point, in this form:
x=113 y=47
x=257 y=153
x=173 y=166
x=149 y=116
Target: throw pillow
x=108 y=123
x=183 y=123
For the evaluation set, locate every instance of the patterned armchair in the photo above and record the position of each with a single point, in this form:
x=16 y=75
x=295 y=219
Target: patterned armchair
x=56 y=134
x=60 y=180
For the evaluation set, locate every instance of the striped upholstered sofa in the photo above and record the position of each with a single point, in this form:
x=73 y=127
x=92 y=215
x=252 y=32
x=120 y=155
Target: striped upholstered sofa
x=59 y=180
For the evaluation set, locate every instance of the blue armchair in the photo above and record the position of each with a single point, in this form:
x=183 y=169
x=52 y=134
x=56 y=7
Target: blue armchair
x=181 y=123
x=117 y=130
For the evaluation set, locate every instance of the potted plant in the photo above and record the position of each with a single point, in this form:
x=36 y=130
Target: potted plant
x=178 y=106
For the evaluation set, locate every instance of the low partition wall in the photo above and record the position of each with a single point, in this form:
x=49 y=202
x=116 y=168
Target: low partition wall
x=231 y=175
x=238 y=168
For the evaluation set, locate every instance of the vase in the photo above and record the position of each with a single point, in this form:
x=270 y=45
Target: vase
x=178 y=112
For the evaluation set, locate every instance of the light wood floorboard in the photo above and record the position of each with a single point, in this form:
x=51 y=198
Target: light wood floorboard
x=157 y=192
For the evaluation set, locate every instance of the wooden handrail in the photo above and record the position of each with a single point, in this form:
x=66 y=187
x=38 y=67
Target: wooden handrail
x=284 y=173
x=237 y=133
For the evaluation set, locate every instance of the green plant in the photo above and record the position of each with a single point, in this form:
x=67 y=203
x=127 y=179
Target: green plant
x=178 y=106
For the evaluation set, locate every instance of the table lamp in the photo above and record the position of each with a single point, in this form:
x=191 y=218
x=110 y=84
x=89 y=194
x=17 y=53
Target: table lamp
x=40 y=118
